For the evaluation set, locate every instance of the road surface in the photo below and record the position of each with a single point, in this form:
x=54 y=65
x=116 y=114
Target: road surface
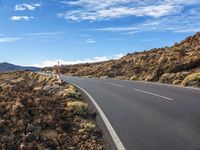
x=148 y=116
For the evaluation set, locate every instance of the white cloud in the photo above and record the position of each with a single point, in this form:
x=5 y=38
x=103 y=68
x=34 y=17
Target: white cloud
x=43 y=34
x=119 y=12
x=24 y=6
x=188 y=30
x=9 y=39
x=113 y=29
x=183 y=22
x=17 y=18
x=63 y=62
x=182 y=2
x=149 y=40
x=158 y=15
x=102 y=4
x=91 y=41
x=104 y=9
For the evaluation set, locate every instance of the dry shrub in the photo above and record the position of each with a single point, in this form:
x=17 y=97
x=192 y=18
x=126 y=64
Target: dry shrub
x=191 y=80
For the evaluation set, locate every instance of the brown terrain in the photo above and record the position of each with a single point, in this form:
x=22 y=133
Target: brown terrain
x=39 y=112
x=178 y=64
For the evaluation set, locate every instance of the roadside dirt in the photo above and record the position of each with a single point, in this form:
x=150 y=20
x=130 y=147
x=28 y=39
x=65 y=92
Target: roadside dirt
x=38 y=112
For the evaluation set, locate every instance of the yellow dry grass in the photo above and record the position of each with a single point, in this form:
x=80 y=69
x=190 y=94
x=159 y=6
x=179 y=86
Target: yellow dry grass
x=195 y=77
x=78 y=107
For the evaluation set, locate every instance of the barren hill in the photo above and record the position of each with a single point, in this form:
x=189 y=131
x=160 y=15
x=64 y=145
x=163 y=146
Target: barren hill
x=178 y=64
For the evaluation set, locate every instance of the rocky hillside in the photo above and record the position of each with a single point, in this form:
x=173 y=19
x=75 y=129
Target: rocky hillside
x=178 y=64
x=40 y=113
x=11 y=67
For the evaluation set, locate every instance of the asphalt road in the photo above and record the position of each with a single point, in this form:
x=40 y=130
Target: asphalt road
x=148 y=116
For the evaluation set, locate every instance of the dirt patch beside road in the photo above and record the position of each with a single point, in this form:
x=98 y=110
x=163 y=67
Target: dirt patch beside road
x=39 y=112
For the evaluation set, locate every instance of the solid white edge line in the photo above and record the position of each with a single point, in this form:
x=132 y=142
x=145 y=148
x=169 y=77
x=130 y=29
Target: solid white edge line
x=111 y=130
x=153 y=94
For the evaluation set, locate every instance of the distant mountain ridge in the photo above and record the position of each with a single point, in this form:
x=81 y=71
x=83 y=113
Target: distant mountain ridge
x=4 y=67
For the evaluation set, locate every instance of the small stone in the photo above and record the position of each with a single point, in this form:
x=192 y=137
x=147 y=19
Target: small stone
x=42 y=138
x=84 y=137
x=20 y=123
x=28 y=137
x=59 y=129
x=8 y=107
x=30 y=128
x=22 y=146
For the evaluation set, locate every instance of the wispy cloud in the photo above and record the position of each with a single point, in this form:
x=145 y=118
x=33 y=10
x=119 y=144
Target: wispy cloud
x=183 y=22
x=44 y=36
x=18 y=18
x=39 y=35
x=25 y=6
x=43 y=33
x=160 y=15
x=63 y=62
x=149 y=40
x=91 y=41
x=104 y=9
x=119 y=12
x=9 y=39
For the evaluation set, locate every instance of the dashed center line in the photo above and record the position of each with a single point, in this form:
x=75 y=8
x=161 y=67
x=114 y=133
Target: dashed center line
x=114 y=84
x=95 y=81
x=154 y=94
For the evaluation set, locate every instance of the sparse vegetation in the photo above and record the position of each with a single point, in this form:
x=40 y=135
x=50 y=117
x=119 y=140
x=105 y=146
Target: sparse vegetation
x=89 y=126
x=167 y=65
x=37 y=112
x=70 y=91
x=133 y=77
x=78 y=107
x=192 y=80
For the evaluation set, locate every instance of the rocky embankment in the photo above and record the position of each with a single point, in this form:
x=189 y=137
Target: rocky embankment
x=178 y=64
x=39 y=112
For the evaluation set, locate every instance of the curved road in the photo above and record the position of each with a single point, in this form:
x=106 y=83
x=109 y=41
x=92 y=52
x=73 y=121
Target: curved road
x=148 y=116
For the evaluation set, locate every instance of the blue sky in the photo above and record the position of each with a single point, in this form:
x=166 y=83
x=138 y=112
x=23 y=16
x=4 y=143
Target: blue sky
x=41 y=32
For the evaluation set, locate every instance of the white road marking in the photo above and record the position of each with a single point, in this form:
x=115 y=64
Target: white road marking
x=164 y=84
x=119 y=145
x=154 y=94
x=114 y=84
